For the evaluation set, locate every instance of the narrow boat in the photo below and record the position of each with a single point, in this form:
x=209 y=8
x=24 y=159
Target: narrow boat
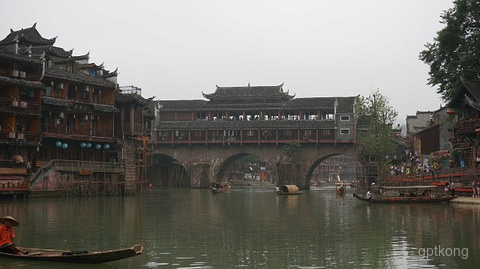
x=288 y=190
x=340 y=188
x=90 y=257
x=220 y=187
x=407 y=194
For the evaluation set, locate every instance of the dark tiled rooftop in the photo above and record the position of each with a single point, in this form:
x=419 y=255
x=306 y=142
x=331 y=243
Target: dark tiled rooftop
x=29 y=34
x=344 y=105
x=77 y=77
x=253 y=93
x=21 y=82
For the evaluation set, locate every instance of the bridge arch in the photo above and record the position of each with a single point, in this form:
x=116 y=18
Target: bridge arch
x=315 y=164
x=166 y=171
x=229 y=162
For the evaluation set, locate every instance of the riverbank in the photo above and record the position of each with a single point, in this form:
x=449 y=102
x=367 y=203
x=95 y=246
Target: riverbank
x=466 y=200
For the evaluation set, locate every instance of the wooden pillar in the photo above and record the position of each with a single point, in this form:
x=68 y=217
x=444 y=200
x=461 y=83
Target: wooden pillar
x=122 y=119
x=132 y=119
x=276 y=137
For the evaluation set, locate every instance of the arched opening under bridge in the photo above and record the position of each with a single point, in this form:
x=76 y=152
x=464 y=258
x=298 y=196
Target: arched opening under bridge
x=334 y=168
x=165 y=171
x=245 y=168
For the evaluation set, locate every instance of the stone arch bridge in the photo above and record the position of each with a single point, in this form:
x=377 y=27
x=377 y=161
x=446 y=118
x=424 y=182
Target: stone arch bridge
x=202 y=164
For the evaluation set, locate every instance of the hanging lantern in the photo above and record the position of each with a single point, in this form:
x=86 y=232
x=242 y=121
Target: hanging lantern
x=83 y=145
x=106 y=146
x=58 y=144
x=89 y=145
x=450 y=111
x=64 y=146
x=98 y=146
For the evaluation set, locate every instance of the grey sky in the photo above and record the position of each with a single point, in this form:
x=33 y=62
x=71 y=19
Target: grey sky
x=176 y=49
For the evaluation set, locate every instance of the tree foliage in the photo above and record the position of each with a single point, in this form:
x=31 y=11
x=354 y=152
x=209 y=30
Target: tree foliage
x=455 y=53
x=290 y=148
x=378 y=116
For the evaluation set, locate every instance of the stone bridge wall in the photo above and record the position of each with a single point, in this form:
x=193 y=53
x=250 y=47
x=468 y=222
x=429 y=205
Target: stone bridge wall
x=203 y=163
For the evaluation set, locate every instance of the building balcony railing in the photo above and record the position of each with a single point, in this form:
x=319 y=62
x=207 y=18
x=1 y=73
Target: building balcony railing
x=19 y=74
x=19 y=106
x=467 y=126
x=77 y=166
x=62 y=129
x=20 y=136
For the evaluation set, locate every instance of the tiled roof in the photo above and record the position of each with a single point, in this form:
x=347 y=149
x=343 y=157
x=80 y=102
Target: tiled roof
x=56 y=101
x=7 y=55
x=30 y=35
x=248 y=93
x=127 y=98
x=77 y=77
x=223 y=124
x=474 y=88
x=344 y=105
x=51 y=50
x=104 y=108
x=21 y=82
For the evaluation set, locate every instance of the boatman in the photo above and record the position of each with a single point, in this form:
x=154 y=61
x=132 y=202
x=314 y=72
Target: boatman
x=369 y=194
x=7 y=235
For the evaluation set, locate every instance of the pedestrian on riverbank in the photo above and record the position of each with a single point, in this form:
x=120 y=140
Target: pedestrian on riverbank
x=474 y=190
x=7 y=235
x=447 y=188
x=452 y=188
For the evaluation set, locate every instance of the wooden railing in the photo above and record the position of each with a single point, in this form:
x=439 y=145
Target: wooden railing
x=70 y=165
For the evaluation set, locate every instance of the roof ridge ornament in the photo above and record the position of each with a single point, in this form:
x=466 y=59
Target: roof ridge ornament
x=34 y=25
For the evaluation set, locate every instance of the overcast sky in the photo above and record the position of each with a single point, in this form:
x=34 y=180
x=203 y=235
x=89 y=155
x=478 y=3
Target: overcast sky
x=175 y=49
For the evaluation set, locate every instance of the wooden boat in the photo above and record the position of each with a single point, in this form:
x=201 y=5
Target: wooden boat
x=216 y=187
x=91 y=257
x=407 y=194
x=288 y=190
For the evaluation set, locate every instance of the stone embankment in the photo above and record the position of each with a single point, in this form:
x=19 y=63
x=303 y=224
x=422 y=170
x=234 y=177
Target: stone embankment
x=466 y=200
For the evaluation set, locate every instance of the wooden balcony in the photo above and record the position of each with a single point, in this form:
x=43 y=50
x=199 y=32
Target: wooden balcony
x=20 y=136
x=85 y=167
x=61 y=129
x=19 y=106
x=19 y=74
x=467 y=126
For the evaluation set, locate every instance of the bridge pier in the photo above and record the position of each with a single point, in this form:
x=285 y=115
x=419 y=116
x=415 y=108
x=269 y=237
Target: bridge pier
x=199 y=174
x=292 y=173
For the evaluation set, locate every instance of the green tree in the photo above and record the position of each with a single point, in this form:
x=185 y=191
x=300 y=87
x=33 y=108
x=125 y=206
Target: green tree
x=455 y=52
x=375 y=113
x=290 y=148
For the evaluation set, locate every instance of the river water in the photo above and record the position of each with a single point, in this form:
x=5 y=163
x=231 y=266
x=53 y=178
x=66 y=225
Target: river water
x=250 y=228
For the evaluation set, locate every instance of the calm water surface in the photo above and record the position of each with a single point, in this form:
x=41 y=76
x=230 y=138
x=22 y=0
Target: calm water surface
x=249 y=228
